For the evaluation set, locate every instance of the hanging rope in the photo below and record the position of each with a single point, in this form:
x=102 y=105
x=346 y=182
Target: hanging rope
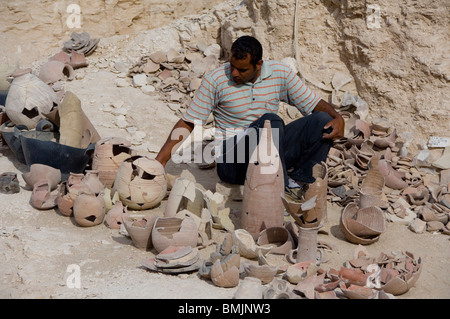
x=295 y=44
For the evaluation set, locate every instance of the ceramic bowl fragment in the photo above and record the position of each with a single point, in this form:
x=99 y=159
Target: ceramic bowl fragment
x=247 y=246
x=172 y=231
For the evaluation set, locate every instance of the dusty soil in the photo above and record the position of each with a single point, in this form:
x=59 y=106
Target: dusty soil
x=38 y=248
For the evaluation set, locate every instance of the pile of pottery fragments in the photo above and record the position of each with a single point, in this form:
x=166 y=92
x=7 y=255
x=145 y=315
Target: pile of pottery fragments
x=367 y=173
x=176 y=74
x=364 y=173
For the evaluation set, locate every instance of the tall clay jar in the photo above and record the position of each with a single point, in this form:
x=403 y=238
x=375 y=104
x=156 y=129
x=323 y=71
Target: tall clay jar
x=109 y=154
x=29 y=99
x=75 y=179
x=93 y=181
x=307 y=244
x=264 y=182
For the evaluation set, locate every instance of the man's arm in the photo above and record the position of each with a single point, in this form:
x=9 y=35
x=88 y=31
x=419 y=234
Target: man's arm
x=337 y=123
x=179 y=133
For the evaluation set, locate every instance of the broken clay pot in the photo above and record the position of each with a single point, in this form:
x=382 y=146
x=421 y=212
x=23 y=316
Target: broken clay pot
x=141 y=182
x=247 y=246
x=350 y=213
x=89 y=209
x=114 y=217
x=280 y=237
x=139 y=230
x=76 y=130
x=41 y=172
x=265 y=273
x=41 y=196
x=172 y=231
x=28 y=100
x=225 y=279
x=53 y=71
x=109 y=154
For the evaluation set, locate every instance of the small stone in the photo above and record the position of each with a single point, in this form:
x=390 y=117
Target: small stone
x=148 y=89
x=434 y=225
x=140 y=135
x=418 y=226
x=121 y=82
x=121 y=67
x=118 y=104
x=158 y=57
x=213 y=49
x=121 y=121
x=119 y=111
x=139 y=80
x=195 y=84
x=151 y=67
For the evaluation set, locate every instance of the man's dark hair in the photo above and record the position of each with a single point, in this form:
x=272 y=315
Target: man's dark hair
x=247 y=44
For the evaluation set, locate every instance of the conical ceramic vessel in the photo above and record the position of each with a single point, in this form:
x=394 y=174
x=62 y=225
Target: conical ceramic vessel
x=264 y=182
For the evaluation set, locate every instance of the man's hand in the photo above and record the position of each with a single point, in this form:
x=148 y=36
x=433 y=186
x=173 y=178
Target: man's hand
x=337 y=124
x=179 y=133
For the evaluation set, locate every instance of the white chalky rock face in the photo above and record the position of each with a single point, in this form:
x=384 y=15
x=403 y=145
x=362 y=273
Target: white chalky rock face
x=141 y=182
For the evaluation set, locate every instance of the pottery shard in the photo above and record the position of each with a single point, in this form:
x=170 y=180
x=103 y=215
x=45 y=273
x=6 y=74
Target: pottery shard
x=140 y=230
x=434 y=225
x=265 y=273
x=114 y=217
x=173 y=56
x=225 y=279
x=250 y=288
x=76 y=130
x=151 y=67
x=158 y=57
x=247 y=246
x=170 y=258
x=54 y=70
x=62 y=56
x=279 y=237
x=418 y=226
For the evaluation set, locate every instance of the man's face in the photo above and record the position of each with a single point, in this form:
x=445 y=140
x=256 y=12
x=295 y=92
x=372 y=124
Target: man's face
x=242 y=71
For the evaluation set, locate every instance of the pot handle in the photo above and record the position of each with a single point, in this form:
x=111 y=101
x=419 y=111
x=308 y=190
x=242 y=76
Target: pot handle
x=45 y=126
x=18 y=130
x=90 y=149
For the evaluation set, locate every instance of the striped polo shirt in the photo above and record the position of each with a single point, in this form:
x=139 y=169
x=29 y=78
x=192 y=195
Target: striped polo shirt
x=235 y=106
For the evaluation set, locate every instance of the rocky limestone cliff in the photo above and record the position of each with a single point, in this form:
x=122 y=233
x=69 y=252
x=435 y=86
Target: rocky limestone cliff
x=393 y=52
x=29 y=29
x=396 y=52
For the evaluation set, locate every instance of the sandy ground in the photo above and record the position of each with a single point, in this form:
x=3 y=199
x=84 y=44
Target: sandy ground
x=40 y=251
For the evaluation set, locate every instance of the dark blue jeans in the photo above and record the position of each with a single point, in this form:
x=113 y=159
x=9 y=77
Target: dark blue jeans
x=300 y=145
